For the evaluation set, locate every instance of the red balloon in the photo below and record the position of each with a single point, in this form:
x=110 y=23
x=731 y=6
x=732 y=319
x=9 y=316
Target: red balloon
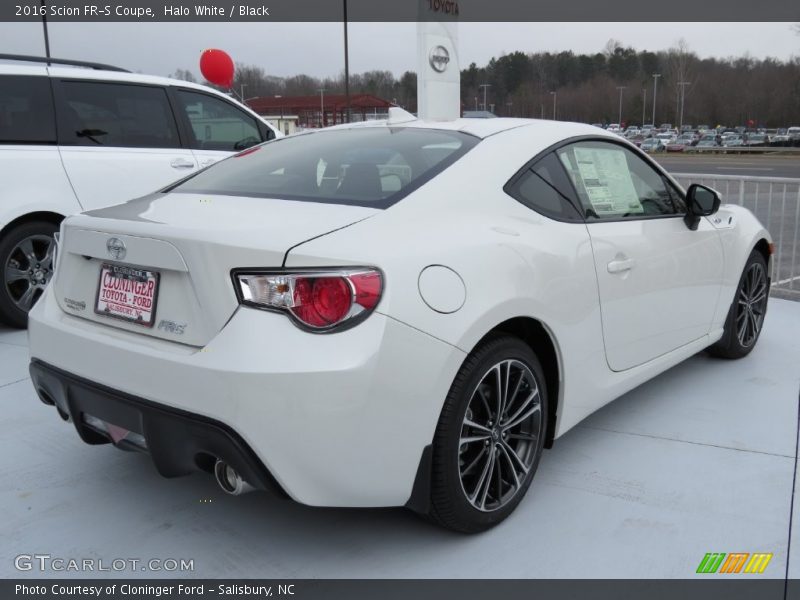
x=217 y=67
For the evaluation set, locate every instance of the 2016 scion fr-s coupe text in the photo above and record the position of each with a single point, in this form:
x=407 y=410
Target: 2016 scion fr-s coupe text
x=391 y=313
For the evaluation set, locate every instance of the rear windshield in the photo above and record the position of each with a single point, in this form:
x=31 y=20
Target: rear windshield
x=373 y=166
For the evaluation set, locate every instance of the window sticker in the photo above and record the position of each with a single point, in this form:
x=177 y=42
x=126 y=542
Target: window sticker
x=607 y=180
x=567 y=162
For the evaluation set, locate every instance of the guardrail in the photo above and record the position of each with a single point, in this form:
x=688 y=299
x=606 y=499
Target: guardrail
x=788 y=150
x=776 y=203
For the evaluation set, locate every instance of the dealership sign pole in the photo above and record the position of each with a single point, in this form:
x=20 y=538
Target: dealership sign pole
x=439 y=76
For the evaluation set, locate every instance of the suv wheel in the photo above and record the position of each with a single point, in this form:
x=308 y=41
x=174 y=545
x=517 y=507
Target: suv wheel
x=26 y=266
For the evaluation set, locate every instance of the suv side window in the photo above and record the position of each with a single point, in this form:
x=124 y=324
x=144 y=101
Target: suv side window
x=545 y=189
x=216 y=124
x=111 y=114
x=26 y=110
x=613 y=183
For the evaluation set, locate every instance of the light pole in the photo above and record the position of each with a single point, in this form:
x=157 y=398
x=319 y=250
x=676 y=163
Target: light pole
x=346 y=66
x=655 y=86
x=44 y=27
x=555 y=97
x=620 y=88
x=322 y=106
x=683 y=85
x=241 y=91
x=644 y=103
x=485 y=86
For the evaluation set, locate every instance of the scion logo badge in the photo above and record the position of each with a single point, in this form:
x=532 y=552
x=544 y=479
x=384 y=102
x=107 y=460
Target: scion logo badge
x=735 y=562
x=116 y=248
x=439 y=58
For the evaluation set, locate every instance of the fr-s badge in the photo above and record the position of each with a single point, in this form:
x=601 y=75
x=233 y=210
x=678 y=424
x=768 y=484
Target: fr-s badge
x=172 y=327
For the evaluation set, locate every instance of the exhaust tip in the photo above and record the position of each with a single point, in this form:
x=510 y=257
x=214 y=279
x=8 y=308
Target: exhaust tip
x=230 y=480
x=45 y=397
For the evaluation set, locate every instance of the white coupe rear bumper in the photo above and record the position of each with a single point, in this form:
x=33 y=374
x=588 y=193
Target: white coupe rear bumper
x=338 y=420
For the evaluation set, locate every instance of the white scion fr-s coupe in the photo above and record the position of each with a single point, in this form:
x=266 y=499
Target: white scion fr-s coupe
x=391 y=313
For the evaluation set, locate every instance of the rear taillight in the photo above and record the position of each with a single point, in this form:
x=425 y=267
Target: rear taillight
x=320 y=300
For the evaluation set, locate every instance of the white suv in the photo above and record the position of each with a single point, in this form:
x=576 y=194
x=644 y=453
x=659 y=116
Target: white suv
x=86 y=136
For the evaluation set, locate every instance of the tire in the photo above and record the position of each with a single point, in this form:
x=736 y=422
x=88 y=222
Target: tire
x=26 y=266
x=746 y=315
x=459 y=499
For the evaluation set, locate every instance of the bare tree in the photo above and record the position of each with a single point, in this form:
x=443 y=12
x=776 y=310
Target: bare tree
x=679 y=71
x=611 y=47
x=183 y=74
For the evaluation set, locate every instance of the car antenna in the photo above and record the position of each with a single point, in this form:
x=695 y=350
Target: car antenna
x=399 y=115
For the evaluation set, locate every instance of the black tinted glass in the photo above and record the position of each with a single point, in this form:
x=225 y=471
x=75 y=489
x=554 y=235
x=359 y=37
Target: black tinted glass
x=26 y=110
x=371 y=166
x=546 y=189
x=109 y=114
x=217 y=124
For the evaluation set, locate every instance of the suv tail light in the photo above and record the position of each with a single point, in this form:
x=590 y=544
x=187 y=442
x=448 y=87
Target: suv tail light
x=320 y=300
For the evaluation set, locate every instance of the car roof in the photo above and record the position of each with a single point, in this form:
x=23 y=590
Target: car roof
x=84 y=73
x=99 y=74
x=77 y=72
x=484 y=128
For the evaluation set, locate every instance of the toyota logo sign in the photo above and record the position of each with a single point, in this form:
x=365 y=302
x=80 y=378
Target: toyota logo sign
x=439 y=58
x=116 y=248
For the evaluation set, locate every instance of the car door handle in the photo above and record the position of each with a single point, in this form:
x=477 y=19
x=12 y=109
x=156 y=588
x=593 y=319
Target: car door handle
x=620 y=266
x=182 y=163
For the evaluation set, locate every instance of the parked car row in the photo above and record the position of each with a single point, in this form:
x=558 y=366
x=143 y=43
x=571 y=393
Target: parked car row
x=687 y=138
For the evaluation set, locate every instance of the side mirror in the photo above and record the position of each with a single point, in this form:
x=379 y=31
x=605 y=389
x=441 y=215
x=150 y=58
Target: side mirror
x=246 y=143
x=701 y=201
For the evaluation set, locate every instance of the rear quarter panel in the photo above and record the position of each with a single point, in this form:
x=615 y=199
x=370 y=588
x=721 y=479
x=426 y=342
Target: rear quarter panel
x=513 y=262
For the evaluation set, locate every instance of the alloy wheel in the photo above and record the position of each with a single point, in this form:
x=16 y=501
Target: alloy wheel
x=28 y=269
x=751 y=304
x=499 y=435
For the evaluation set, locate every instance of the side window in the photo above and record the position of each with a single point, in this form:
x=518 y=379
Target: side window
x=614 y=183
x=120 y=115
x=218 y=125
x=545 y=189
x=26 y=110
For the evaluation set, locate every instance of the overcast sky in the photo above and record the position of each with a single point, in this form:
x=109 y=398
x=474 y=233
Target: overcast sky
x=316 y=48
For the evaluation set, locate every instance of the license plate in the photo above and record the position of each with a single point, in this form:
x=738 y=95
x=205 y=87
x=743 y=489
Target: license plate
x=127 y=293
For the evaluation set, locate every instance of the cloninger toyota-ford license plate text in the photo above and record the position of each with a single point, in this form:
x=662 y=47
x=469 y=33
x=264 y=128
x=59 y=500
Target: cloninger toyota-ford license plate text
x=127 y=293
